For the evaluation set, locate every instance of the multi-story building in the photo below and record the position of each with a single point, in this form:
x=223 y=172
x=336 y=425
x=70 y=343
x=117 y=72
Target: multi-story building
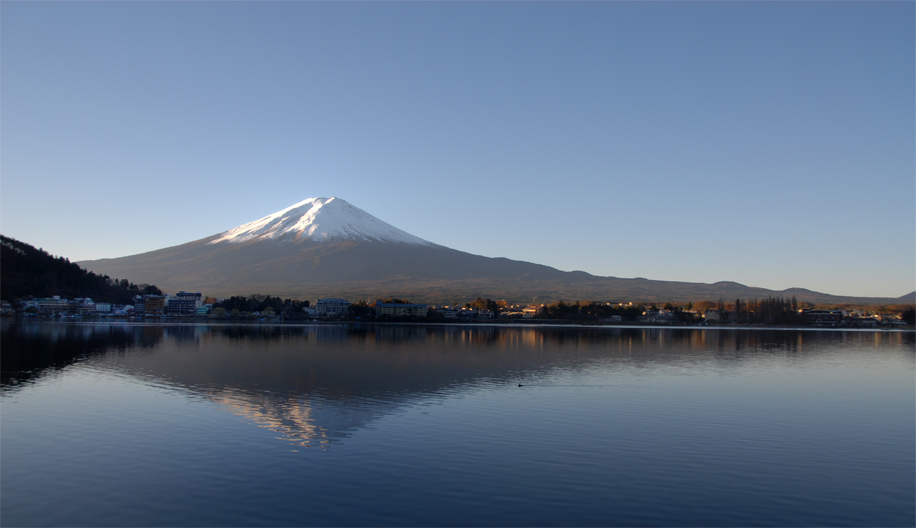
x=81 y=306
x=52 y=305
x=383 y=309
x=332 y=307
x=73 y=306
x=153 y=305
x=184 y=303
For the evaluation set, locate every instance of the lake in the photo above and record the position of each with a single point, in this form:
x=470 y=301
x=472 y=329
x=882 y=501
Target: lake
x=426 y=425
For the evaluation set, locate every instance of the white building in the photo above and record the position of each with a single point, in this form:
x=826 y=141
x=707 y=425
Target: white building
x=332 y=307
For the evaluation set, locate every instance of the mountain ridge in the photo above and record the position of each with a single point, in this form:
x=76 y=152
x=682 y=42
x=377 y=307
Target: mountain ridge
x=325 y=247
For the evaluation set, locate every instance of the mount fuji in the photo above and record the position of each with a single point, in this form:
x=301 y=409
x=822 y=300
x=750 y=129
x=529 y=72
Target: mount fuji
x=325 y=247
x=320 y=220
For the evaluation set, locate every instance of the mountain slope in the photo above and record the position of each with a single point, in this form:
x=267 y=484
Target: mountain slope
x=28 y=271
x=325 y=247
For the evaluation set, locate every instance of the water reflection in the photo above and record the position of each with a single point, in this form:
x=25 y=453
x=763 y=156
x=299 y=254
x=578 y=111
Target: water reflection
x=315 y=385
x=291 y=418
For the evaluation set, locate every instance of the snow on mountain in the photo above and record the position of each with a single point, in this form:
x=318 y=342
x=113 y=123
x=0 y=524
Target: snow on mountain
x=320 y=220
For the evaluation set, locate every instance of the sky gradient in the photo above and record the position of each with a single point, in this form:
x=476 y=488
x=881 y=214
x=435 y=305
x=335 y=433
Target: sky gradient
x=771 y=144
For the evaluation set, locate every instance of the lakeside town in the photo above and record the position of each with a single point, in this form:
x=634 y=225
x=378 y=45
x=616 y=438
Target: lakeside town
x=260 y=308
x=38 y=285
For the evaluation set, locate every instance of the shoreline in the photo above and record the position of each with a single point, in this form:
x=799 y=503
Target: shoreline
x=191 y=321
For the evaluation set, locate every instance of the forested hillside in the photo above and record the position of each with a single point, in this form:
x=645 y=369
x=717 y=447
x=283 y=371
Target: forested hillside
x=27 y=271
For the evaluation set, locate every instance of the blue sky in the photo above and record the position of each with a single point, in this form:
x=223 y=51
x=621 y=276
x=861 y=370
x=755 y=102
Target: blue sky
x=770 y=143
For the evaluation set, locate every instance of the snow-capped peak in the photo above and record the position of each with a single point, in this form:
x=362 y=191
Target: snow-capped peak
x=320 y=220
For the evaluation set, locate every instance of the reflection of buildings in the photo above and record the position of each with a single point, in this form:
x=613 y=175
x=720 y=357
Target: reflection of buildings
x=316 y=384
x=399 y=332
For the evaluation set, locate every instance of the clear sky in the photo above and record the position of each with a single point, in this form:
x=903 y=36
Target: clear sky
x=771 y=144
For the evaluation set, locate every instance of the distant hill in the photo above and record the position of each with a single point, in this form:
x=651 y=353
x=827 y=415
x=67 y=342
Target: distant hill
x=325 y=247
x=26 y=270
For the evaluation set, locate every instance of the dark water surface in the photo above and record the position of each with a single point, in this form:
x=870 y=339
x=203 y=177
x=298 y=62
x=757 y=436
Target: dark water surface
x=127 y=425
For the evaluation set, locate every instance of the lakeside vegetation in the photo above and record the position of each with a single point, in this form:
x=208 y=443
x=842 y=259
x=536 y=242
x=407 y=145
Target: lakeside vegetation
x=29 y=272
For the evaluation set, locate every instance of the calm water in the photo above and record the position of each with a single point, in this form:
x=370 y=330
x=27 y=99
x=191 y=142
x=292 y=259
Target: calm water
x=120 y=425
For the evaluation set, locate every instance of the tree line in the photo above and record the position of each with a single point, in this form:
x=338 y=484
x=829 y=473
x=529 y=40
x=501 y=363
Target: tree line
x=773 y=310
x=28 y=271
x=264 y=304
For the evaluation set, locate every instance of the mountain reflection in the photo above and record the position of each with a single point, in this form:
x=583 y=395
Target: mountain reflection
x=315 y=385
x=291 y=418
